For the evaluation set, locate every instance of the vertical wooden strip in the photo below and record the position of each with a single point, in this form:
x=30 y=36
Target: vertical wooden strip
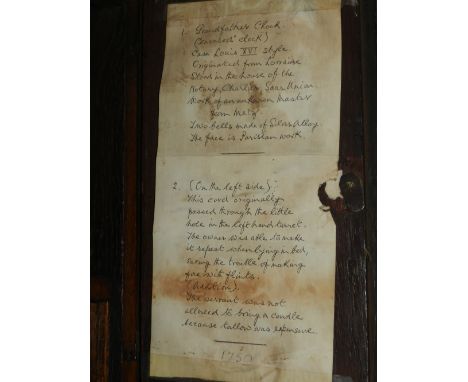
x=107 y=112
x=350 y=337
x=154 y=24
x=130 y=247
x=369 y=87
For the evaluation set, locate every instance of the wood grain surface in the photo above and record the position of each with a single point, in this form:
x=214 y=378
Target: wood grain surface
x=99 y=326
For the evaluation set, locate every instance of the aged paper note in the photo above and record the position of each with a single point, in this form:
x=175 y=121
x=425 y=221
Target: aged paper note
x=244 y=258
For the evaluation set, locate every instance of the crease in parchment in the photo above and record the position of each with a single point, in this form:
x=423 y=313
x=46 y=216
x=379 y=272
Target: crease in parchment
x=262 y=12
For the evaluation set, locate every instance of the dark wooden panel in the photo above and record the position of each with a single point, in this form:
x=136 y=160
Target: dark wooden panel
x=107 y=75
x=131 y=206
x=369 y=69
x=107 y=71
x=350 y=356
x=99 y=342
